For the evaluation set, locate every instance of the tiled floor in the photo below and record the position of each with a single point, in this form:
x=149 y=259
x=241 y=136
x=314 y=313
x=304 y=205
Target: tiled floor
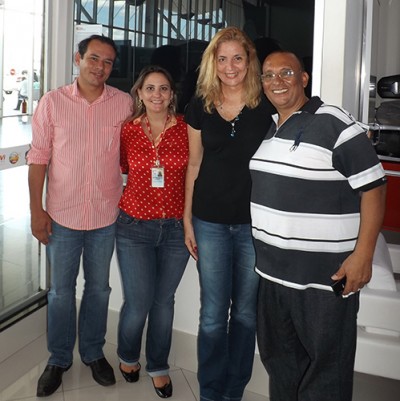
x=78 y=383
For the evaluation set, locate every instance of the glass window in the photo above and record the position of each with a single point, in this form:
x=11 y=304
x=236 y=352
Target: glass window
x=174 y=33
x=103 y=7
x=21 y=282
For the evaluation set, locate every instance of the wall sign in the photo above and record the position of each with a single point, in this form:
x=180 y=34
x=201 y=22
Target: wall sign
x=13 y=157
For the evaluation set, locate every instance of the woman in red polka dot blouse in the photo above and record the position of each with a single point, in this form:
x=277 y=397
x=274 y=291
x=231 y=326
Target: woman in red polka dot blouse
x=151 y=250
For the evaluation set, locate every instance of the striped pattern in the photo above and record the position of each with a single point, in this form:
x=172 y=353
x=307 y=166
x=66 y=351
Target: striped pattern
x=80 y=143
x=307 y=177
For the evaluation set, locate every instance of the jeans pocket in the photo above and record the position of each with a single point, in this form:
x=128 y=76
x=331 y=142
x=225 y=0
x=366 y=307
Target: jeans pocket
x=125 y=219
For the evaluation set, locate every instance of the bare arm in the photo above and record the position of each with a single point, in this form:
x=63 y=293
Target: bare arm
x=40 y=220
x=358 y=266
x=195 y=158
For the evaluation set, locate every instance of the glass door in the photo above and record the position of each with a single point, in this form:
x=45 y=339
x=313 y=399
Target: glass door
x=22 y=284
x=21 y=48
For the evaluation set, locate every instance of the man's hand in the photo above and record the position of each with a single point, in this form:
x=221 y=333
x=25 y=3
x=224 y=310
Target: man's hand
x=41 y=226
x=357 y=270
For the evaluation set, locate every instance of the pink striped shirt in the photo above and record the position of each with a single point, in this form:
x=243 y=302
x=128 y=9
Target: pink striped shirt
x=80 y=142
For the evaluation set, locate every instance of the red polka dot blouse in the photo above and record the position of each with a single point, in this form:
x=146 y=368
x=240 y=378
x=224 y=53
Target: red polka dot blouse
x=138 y=156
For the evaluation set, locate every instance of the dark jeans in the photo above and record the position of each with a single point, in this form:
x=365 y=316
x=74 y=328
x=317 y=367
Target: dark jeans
x=307 y=342
x=152 y=258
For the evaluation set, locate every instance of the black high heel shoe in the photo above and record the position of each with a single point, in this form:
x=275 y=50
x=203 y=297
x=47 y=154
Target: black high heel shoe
x=164 y=391
x=130 y=377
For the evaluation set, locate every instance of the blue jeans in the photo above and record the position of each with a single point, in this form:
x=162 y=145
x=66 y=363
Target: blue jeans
x=64 y=253
x=228 y=285
x=152 y=258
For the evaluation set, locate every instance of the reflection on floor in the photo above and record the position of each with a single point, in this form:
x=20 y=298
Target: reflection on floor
x=78 y=383
x=19 y=251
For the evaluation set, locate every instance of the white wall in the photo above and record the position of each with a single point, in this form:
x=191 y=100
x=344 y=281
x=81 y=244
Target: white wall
x=337 y=62
x=333 y=46
x=352 y=79
x=58 y=43
x=187 y=303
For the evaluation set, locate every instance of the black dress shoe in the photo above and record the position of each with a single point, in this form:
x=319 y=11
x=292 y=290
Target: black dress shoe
x=102 y=372
x=130 y=377
x=164 y=391
x=50 y=380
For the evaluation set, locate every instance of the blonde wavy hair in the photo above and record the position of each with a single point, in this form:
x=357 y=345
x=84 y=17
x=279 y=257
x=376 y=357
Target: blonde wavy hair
x=209 y=85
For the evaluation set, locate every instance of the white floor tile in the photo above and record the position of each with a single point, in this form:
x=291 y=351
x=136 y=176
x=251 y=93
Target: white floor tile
x=59 y=396
x=192 y=381
x=25 y=386
x=141 y=391
x=249 y=396
x=78 y=383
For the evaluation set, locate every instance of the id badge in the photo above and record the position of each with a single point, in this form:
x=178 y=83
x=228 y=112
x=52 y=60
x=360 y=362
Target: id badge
x=157 y=177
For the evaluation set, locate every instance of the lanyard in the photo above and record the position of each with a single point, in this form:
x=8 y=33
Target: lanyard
x=150 y=135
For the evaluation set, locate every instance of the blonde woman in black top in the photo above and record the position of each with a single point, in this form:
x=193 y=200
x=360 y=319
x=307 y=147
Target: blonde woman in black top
x=227 y=120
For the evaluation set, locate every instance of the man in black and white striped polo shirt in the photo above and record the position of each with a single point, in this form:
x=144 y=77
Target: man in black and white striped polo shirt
x=317 y=206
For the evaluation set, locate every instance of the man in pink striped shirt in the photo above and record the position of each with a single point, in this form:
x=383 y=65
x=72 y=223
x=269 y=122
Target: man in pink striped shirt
x=75 y=143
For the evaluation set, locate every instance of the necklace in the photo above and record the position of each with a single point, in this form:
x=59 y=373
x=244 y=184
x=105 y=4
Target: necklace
x=233 y=123
x=153 y=140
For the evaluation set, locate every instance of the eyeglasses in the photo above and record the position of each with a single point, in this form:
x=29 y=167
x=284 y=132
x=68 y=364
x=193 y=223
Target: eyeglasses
x=284 y=74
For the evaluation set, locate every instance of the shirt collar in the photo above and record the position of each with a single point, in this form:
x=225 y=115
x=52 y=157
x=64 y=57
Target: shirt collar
x=138 y=120
x=75 y=91
x=311 y=106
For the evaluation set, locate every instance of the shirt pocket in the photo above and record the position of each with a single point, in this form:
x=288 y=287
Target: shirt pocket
x=113 y=140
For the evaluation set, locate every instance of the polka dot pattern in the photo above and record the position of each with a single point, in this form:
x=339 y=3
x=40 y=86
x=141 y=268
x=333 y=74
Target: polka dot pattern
x=138 y=156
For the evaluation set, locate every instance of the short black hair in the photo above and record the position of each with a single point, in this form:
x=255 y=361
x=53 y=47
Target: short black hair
x=83 y=44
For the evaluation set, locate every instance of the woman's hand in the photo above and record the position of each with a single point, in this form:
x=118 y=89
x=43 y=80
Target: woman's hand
x=190 y=240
